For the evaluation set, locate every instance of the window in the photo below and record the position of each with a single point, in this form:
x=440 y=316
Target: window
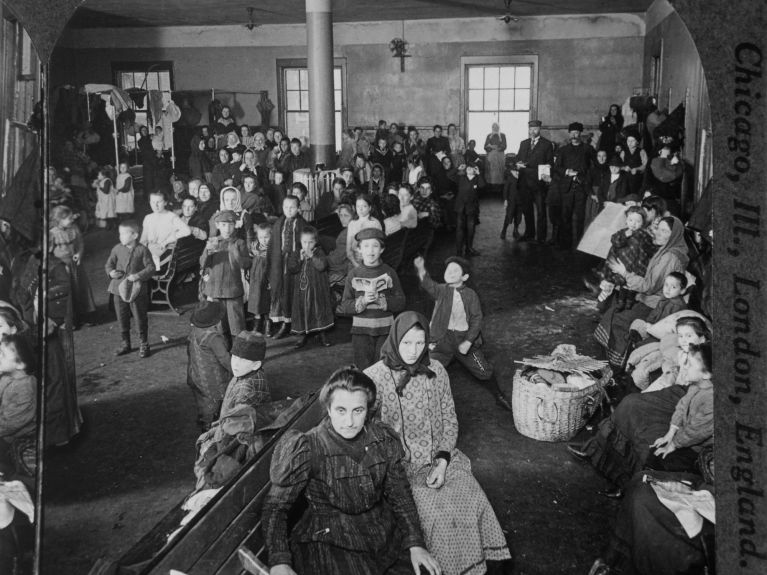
x=294 y=97
x=146 y=76
x=499 y=90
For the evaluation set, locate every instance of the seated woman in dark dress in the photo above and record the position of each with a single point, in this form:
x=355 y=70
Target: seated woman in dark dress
x=361 y=517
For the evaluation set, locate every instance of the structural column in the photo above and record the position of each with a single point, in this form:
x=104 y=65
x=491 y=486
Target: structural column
x=319 y=41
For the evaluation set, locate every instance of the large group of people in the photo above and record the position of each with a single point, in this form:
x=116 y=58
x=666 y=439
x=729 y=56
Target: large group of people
x=388 y=490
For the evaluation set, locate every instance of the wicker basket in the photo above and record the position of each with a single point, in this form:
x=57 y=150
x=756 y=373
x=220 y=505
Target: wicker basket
x=547 y=415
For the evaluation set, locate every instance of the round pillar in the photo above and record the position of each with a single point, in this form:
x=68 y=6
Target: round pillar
x=319 y=40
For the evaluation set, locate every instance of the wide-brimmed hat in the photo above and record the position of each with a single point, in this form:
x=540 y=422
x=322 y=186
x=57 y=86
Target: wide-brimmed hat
x=128 y=290
x=207 y=314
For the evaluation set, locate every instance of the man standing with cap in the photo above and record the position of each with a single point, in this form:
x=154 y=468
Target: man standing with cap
x=574 y=160
x=533 y=152
x=466 y=207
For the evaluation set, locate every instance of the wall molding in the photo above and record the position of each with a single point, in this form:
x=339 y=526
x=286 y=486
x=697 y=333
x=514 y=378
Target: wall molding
x=487 y=29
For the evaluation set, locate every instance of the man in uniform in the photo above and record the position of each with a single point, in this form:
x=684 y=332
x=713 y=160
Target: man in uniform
x=533 y=152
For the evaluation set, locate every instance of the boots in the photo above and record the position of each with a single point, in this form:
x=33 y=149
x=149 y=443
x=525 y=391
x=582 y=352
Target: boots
x=267 y=327
x=283 y=331
x=324 y=341
x=301 y=341
x=125 y=347
x=503 y=230
x=144 y=350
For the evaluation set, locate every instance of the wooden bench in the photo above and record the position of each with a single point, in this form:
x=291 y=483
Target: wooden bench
x=231 y=520
x=183 y=264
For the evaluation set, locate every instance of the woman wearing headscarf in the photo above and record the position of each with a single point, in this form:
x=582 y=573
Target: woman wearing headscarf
x=414 y=398
x=207 y=202
x=610 y=126
x=495 y=146
x=231 y=200
x=199 y=164
x=613 y=331
x=148 y=160
x=360 y=516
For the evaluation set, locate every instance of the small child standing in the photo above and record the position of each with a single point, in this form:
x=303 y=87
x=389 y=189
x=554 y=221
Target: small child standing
x=209 y=367
x=66 y=243
x=106 y=208
x=259 y=297
x=312 y=309
x=633 y=246
x=455 y=327
x=124 y=201
x=222 y=262
x=304 y=207
x=248 y=385
x=372 y=295
x=131 y=262
x=692 y=425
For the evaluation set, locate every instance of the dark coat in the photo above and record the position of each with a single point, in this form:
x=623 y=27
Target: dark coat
x=467 y=197
x=542 y=154
x=277 y=263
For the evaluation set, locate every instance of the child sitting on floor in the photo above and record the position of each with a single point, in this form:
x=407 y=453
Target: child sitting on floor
x=633 y=246
x=248 y=385
x=372 y=295
x=312 y=311
x=690 y=330
x=455 y=327
x=209 y=367
x=222 y=262
x=692 y=425
x=259 y=296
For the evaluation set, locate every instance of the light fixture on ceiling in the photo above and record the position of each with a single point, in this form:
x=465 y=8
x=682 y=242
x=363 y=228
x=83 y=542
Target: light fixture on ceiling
x=508 y=17
x=251 y=25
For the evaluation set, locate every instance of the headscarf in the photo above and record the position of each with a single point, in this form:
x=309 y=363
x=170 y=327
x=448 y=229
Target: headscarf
x=390 y=349
x=238 y=201
x=675 y=245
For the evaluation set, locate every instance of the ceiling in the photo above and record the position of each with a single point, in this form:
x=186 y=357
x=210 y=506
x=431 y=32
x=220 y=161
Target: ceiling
x=152 y=13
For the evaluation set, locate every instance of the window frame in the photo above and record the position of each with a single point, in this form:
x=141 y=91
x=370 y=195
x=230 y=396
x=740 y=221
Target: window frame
x=302 y=63
x=512 y=60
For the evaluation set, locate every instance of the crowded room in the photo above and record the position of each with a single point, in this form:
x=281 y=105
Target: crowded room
x=328 y=287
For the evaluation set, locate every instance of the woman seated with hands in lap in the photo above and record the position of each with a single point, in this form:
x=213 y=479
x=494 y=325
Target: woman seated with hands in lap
x=361 y=517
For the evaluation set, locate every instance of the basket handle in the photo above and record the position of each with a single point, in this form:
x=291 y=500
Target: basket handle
x=556 y=411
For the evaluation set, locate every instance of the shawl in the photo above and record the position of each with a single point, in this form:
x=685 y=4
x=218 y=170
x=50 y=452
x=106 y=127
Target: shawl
x=675 y=245
x=390 y=349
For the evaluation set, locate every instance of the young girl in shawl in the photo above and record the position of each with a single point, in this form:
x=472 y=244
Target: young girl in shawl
x=231 y=200
x=67 y=244
x=259 y=298
x=286 y=239
x=312 y=309
x=125 y=194
x=414 y=398
x=106 y=198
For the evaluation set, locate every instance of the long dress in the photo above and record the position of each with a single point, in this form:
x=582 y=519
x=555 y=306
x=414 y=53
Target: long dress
x=360 y=518
x=312 y=310
x=495 y=162
x=65 y=243
x=106 y=202
x=259 y=299
x=286 y=239
x=124 y=203
x=459 y=523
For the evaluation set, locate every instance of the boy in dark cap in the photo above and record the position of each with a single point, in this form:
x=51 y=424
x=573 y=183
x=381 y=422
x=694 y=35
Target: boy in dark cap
x=222 y=262
x=456 y=323
x=209 y=368
x=372 y=295
x=248 y=386
x=574 y=160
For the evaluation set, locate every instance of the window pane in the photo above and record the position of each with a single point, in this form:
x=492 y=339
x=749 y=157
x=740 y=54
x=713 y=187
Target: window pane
x=152 y=82
x=491 y=100
x=475 y=99
x=507 y=76
x=522 y=99
x=339 y=127
x=523 y=74
x=338 y=98
x=479 y=124
x=476 y=77
x=337 y=84
x=138 y=80
x=305 y=100
x=165 y=81
x=491 y=77
x=514 y=125
x=297 y=124
x=126 y=80
x=291 y=79
x=293 y=100
x=303 y=74
x=507 y=100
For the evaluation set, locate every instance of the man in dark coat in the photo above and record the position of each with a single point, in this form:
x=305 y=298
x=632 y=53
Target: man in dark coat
x=434 y=145
x=533 y=152
x=574 y=160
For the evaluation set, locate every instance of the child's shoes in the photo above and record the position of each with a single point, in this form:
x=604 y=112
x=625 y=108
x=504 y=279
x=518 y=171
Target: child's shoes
x=124 y=348
x=144 y=350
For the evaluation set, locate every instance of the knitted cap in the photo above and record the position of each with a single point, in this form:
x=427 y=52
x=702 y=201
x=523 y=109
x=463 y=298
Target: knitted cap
x=249 y=346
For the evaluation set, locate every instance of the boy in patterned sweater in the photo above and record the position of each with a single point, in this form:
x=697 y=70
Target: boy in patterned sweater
x=372 y=295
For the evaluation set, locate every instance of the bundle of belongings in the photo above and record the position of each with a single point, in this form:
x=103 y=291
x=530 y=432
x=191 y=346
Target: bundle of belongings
x=564 y=369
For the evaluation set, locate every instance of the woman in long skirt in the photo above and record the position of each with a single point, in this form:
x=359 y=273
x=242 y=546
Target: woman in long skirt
x=414 y=397
x=495 y=146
